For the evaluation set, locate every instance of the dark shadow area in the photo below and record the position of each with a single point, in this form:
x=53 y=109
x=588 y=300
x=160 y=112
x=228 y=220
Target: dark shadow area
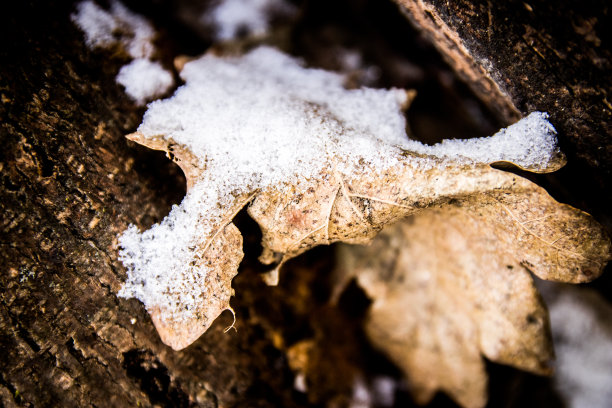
x=154 y=379
x=509 y=387
x=331 y=34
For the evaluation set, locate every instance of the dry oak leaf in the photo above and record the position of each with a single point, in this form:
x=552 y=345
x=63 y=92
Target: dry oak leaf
x=318 y=164
x=452 y=283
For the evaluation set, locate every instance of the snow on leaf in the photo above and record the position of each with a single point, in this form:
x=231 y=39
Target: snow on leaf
x=318 y=164
x=452 y=283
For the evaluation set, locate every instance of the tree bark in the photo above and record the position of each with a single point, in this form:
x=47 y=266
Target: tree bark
x=536 y=55
x=70 y=183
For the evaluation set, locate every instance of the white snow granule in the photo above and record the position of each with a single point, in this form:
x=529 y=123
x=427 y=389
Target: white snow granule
x=262 y=120
x=105 y=29
x=362 y=395
x=144 y=80
x=233 y=18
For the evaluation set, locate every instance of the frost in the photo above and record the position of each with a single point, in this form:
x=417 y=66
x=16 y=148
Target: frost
x=234 y=18
x=144 y=79
x=263 y=128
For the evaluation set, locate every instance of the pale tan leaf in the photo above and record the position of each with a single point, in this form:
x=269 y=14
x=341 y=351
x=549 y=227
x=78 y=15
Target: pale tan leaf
x=319 y=164
x=225 y=254
x=452 y=283
x=334 y=208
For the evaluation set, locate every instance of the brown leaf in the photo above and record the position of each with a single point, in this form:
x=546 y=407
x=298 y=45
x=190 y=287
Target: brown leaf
x=320 y=164
x=452 y=283
x=219 y=254
x=224 y=253
x=353 y=209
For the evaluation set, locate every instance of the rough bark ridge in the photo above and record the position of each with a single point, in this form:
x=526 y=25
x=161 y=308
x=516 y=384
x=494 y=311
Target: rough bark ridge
x=69 y=183
x=536 y=55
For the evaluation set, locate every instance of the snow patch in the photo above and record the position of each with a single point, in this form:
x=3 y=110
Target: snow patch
x=143 y=79
x=529 y=143
x=235 y=18
x=262 y=120
x=117 y=26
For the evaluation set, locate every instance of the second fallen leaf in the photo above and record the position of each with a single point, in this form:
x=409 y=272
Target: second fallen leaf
x=451 y=284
